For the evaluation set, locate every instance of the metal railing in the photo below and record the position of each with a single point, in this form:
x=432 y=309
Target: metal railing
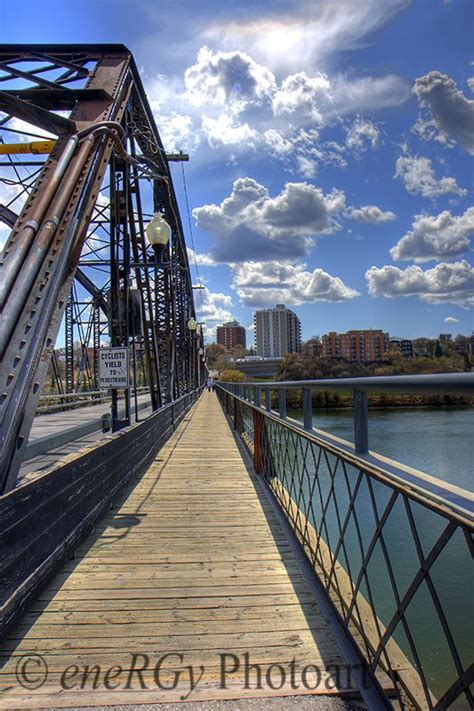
x=391 y=546
x=70 y=401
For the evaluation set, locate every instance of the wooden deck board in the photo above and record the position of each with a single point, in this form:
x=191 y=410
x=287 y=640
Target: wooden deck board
x=194 y=562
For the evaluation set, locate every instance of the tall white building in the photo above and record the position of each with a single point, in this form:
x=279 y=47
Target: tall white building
x=277 y=332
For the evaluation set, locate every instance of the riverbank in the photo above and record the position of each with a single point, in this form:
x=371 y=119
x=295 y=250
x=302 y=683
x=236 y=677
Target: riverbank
x=378 y=401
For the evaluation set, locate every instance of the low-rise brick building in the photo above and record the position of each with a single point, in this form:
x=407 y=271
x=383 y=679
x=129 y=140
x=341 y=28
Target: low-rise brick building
x=357 y=346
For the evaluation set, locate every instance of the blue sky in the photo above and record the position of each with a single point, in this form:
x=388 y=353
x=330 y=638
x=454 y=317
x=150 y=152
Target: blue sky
x=331 y=148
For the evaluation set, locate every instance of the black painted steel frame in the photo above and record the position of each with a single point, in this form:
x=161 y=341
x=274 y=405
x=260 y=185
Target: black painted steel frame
x=78 y=246
x=328 y=496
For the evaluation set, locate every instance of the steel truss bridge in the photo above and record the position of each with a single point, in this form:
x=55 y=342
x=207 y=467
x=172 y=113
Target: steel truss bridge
x=262 y=554
x=77 y=253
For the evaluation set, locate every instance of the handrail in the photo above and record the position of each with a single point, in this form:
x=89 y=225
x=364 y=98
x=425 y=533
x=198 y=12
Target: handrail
x=70 y=401
x=431 y=383
x=384 y=539
x=439 y=383
x=85 y=393
x=443 y=497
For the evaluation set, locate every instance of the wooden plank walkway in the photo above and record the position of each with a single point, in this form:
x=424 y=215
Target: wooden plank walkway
x=191 y=579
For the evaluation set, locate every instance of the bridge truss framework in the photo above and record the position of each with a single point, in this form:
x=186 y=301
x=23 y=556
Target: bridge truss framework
x=77 y=253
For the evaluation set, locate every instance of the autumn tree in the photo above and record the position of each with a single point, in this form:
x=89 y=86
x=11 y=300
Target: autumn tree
x=213 y=351
x=232 y=376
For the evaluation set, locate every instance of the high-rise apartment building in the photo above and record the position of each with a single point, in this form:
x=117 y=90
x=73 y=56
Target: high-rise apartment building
x=231 y=335
x=358 y=346
x=404 y=345
x=277 y=332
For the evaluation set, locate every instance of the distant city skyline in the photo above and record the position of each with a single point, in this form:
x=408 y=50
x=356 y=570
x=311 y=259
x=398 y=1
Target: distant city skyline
x=251 y=336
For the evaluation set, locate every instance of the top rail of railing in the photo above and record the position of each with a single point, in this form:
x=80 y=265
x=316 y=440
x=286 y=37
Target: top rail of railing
x=84 y=394
x=436 y=383
x=452 y=499
x=70 y=401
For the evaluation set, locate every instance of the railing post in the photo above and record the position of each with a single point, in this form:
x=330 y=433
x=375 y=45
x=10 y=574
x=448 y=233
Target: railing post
x=235 y=412
x=256 y=396
x=307 y=409
x=361 y=422
x=257 y=442
x=268 y=399
x=282 y=403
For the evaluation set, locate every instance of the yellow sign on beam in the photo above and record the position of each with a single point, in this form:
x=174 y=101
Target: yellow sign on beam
x=7 y=149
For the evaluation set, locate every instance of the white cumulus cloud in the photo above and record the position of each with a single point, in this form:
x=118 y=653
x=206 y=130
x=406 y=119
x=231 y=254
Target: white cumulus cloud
x=306 y=167
x=451 y=114
x=252 y=225
x=451 y=319
x=225 y=131
x=418 y=176
x=361 y=134
x=309 y=97
x=178 y=132
x=227 y=78
x=436 y=237
x=267 y=283
x=321 y=99
x=201 y=259
x=213 y=309
x=371 y=214
x=445 y=283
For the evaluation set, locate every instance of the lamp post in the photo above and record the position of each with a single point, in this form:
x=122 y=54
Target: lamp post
x=158 y=233
x=192 y=326
x=201 y=356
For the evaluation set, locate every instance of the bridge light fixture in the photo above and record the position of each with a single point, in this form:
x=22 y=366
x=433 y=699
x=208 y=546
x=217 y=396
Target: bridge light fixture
x=158 y=233
x=201 y=351
x=192 y=325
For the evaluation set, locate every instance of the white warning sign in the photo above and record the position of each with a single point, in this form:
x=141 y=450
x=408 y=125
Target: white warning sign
x=113 y=368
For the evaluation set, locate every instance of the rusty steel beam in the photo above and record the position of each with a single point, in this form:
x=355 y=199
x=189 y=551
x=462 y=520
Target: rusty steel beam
x=36 y=115
x=59 y=98
x=113 y=128
x=7 y=216
x=28 y=345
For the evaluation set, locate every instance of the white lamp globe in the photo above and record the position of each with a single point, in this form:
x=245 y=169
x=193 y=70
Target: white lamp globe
x=158 y=231
x=192 y=325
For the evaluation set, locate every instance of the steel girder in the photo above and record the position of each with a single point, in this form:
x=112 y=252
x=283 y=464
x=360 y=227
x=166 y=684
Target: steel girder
x=109 y=133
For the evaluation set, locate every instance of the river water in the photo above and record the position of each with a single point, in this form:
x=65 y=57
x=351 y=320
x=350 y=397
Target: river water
x=436 y=441
x=440 y=443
